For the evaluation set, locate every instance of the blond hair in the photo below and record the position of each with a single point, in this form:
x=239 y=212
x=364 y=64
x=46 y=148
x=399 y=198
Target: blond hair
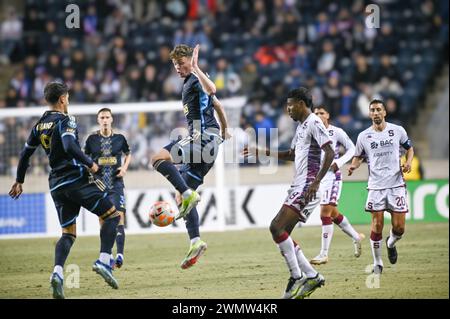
x=181 y=51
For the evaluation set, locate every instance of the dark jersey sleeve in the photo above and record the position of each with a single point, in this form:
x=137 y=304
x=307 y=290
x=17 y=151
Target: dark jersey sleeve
x=28 y=150
x=87 y=146
x=69 y=140
x=125 y=146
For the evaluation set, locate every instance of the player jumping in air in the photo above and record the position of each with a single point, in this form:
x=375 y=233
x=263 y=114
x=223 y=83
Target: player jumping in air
x=198 y=151
x=106 y=147
x=70 y=184
x=330 y=189
x=380 y=144
x=303 y=197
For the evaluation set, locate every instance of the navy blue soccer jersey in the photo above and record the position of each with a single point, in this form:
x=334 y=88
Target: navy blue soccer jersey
x=197 y=105
x=57 y=133
x=107 y=152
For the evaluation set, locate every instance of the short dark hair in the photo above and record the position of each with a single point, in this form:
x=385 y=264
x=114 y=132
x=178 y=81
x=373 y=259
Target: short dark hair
x=301 y=94
x=54 y=90
x=321 y=106
x=378 y=101
x=104 y=109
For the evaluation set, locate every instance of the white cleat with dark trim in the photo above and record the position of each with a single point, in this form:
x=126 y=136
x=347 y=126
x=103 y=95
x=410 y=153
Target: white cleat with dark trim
x=319 y=260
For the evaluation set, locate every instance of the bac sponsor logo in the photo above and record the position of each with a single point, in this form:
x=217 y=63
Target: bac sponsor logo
x=387 y=143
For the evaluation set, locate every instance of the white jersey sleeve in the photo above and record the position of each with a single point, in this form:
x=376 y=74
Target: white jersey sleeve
x=343 y=139
x=405 y=142
x=319 y=132
x=359 y=149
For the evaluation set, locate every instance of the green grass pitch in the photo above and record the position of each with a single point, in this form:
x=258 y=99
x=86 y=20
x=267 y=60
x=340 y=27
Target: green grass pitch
x=237 y=264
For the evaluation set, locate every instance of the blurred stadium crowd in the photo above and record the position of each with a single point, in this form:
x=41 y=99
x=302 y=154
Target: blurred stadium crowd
x=257 y=48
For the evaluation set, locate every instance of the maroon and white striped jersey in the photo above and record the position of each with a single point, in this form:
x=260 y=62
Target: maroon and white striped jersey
x=309 y=138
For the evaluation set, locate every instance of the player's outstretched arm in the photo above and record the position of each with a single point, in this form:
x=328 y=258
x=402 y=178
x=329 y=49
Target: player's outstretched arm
x=72 y=148
x=16 y=190
x=208 y=86
x=222 y=118
x=24 y=163
x=349 y=147
x=282 y=155
x=406 y=167
x=356 y=163
x=123 y=169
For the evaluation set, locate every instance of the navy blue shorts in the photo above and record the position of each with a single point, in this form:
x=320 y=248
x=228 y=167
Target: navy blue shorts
x=68 y=201
x=117 y=197
x=197 y=156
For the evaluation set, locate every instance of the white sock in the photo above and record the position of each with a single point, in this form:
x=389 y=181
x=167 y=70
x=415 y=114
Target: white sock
x=194 y=240
x=393 y=238
x=59 y=270
x=104 y=258
x=327 y=235
x=376 y=252
x=187 y=193
x=304 y=264
x=348 y=229
x=111 y=256
x=287 y=250
x=120 y=256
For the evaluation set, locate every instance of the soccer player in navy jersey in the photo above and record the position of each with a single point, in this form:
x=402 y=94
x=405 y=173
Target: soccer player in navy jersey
x=71 y=184
x=198 y=151
x=106 y=147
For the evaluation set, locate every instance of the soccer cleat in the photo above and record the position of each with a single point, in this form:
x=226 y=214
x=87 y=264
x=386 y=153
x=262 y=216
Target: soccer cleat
x=293 y=287
x=357 y=244
x=187 y=204
x=310 y=285
x=319 y=260
x=119 y=261
x=57 y=284
x=194 y=254
x=377 y=269
x=392 y=252
x=112 y=263
x=106 y=272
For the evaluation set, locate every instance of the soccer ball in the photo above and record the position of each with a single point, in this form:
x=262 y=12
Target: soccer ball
x=161 y=214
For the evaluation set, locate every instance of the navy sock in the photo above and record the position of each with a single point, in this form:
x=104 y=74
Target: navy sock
x=192 y=224
x=62 y=248
x=169 y=171
x=108 y=234
x=120 y=239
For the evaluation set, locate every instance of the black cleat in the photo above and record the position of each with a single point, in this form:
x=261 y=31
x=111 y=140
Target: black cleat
x=392 y=252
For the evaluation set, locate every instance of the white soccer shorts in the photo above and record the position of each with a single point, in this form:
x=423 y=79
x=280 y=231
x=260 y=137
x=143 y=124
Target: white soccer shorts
x=331 y=192
x=390 y=199
x=296 y=201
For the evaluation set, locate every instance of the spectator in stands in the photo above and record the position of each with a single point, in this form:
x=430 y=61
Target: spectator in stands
x=226 y=80
x=332 y=94
x=11 y=31
x=264 y=42
x=344 y=118
x=363 y=73
x=152 y=89
x=249 y=76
